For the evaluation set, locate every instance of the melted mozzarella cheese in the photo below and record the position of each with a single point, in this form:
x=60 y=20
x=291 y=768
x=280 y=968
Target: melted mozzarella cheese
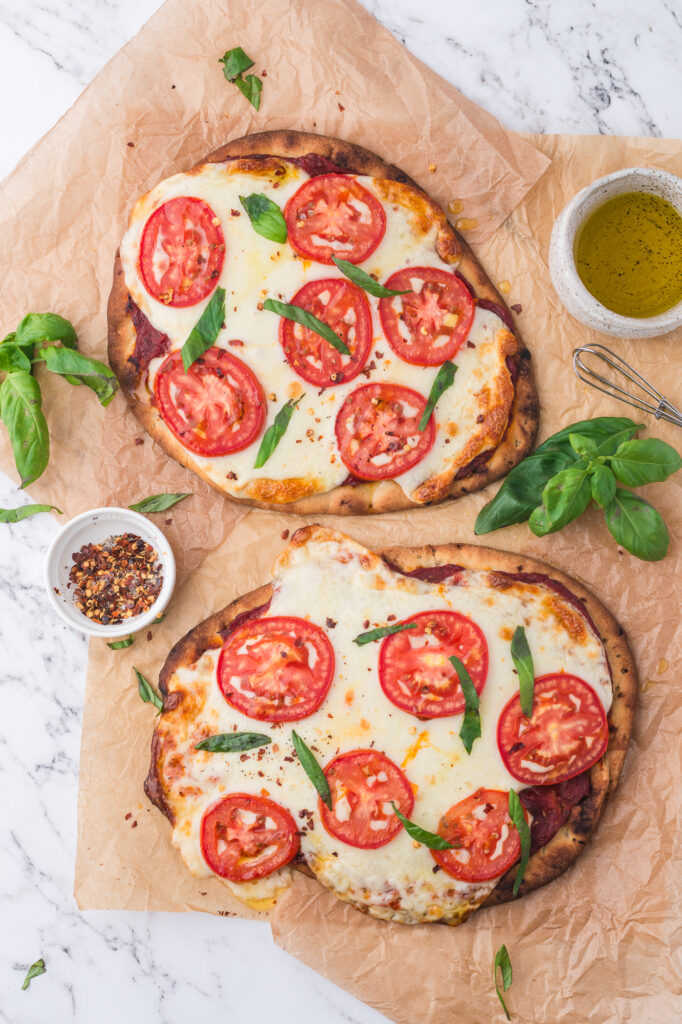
x=331 y=579
x=255 y=269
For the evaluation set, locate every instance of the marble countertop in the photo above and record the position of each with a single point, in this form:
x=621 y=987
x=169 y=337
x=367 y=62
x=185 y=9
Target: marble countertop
x=608 y=67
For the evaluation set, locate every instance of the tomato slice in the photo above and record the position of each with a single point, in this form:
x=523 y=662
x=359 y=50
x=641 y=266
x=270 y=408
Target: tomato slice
x=486 y=840
x=182 y=252
x=431 y=322
x=377 y=431
x=276 y=669
x=245 y=837
x=343 y=307
x=334 y=215
x=414 y=667
x=566 y=734
x=363 y=783
x=217 y=407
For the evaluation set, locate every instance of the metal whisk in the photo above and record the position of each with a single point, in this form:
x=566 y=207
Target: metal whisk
x=662 y=410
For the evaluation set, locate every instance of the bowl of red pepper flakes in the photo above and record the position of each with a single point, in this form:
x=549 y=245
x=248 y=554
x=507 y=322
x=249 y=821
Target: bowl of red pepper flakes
x=110 y=572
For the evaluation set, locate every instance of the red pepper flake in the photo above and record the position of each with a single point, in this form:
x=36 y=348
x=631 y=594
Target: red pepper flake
x=516 y=307
x=131 y=145
x=285 y=534
x=116 y=580
x=341 y=107
x=149 y=635
x=134 y=825
x=128 y=816
x=139 y=440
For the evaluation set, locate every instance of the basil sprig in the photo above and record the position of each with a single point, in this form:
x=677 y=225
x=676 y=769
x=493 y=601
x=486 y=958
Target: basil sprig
x=235 y=62
x=586 y=462
x=421 y=835
x=275 y=432
x=266 y=217
x=312 y=769
x=120 y=645
x=15 y=515
x=206 y=329
x=470 y=729
x=305 y=319
x=443 y=381
x=147 y=691
x=503 y=963
x=518 y=817
x=523 y=663
x=364 y=281
x=233 y=742
x=381 y=632
x=158 y=502
x=34 y=971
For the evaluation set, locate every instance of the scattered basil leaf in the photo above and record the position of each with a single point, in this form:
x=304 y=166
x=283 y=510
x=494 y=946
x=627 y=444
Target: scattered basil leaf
x=503 y=963
x=266 y=217
x=381 y=632
x=601 y=430
x=147 y=692
x=206 y=329
x=443 y=381
x=420 y=835
x=312 y=769
x=602 y=484
x=523 y=663
x=364 y=281
x=521 y=491
x=12 y=358
x=21 y=412
x=305 y=319
x=119 y=645
x=643 y=461
x=39 y=327
x=233 y=742
x=518 y=817
x=565 y=497
x=15 y=515
x=637 y=526
x=234 y=62
x=80 y=369
x=582 y=445
x=34 y=971
x=157 y=502
x=471 y=723
x=251 y=87
x=275 y=432
x=159 y=618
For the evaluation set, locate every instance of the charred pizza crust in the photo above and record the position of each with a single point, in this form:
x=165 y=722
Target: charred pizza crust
x=365 y=497
x=552 y=859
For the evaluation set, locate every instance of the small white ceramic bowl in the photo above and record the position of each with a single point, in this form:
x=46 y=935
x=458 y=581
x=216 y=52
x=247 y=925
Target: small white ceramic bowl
x=570 y=289
x=95 y=527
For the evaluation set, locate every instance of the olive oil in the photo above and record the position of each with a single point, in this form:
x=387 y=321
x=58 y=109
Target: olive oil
x=628 y=254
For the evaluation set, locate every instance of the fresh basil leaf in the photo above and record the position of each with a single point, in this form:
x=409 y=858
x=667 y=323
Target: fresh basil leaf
x=600 y=430
x=266 y=217
x=312 y=769
x=613 y=443
x=12 y=359
x=637 y=526
x=305 y=319
x=147 y=692
x=15 y=515
x=21 y=412
x=234 y=62
x=420 y=835
x=523 y=663
x=602 y=484
x=565 y=497
x=206 y=329
x=518 y=817
x=521 y=490
x=364 y=281
x=443 y=381
x=233 y=742
x=38 y=327
x=119 y=645
x=275 y=432
x=503 y=963
x=251 y=87
x=34 y=971
x=80 y=369
x=381 y=632
x=643 y=461
x=582 y=445
x=470 y=729
x=157 y=502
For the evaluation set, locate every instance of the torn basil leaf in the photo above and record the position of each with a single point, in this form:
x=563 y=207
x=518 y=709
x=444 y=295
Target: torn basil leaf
x=234 y=62
x=471 y=723
x=305 y=319
x=119 y=645
x=503 y=963
x=15 y=515
x=147 y=692
x=275 y=432
x=233 y=742
x=34 y=971
x=364 y=281
x=157 y=502
x=312 y=769
x=421 y=835
x=381 y=632
x=266 y=217
x=442 y=382
x=206 y=329
x=523 y=663
x=518 y=817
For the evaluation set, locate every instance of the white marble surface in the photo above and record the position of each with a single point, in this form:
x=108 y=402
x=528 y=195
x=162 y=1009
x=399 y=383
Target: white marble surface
x=586 y=66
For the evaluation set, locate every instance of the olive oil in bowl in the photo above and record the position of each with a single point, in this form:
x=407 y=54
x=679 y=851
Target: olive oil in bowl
x=628 y=254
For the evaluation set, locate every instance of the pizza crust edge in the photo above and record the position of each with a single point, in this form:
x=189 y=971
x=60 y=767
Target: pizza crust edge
x=373 y=497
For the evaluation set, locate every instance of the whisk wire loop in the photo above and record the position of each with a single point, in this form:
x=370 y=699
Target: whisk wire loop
x=662 y=410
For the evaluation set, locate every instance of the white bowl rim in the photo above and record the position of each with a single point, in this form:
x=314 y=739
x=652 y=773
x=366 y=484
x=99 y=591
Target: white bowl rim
x=138 y=522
